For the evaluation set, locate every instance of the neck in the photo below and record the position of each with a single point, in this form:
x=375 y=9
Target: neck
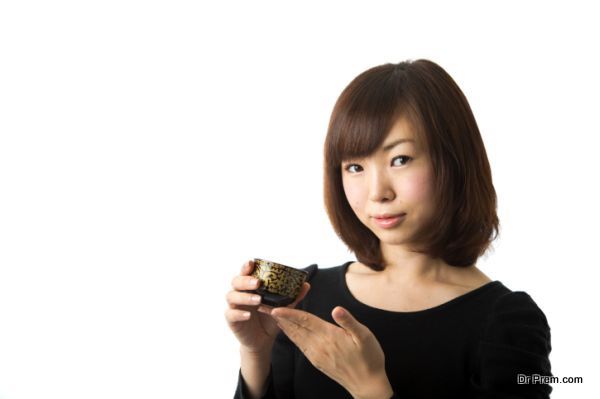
x=410 y=268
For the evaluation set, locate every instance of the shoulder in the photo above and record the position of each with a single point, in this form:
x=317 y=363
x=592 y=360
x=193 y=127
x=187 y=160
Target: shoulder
x=312 y=271
x=516 y=341
x=516 y=310
x=317 y=274
x=325 y=286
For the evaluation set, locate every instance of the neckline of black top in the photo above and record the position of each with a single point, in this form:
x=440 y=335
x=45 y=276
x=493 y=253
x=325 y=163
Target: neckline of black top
x=446 y=305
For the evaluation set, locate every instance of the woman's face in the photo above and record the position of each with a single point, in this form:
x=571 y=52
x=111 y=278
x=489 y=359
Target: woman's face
x=396 y=179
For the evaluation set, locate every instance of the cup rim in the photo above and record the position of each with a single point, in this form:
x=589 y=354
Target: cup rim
x=289 y=268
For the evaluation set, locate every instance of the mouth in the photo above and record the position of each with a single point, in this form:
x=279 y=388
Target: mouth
x=389 y=221
x=384 y=216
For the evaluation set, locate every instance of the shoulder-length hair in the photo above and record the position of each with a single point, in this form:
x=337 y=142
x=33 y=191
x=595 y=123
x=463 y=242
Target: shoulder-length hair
x=465 y=221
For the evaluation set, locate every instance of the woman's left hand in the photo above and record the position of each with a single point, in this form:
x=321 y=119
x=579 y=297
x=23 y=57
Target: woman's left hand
x=349 y=354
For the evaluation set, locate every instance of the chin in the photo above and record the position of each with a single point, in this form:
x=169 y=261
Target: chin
x=390 y=236
x=392 y=240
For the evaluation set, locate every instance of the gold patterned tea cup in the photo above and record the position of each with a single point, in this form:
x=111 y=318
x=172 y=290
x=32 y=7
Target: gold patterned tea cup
x=280 y=285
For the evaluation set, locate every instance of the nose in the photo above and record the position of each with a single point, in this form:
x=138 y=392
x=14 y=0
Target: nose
x=380 y=186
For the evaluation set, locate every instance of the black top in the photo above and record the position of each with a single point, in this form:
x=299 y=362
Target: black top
x=473 y=346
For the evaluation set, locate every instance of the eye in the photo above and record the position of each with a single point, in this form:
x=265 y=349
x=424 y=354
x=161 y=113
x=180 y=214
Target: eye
x=347 y=168
x=402 y=156
x=405 y=157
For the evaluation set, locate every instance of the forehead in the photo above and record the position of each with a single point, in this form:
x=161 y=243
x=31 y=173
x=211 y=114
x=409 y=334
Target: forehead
x=401 y=129
x=401 y=133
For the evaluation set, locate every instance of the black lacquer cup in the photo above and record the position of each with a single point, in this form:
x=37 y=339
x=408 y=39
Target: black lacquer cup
x=280 y=285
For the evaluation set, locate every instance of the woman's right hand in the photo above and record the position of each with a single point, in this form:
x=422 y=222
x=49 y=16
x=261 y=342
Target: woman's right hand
x=257 y=330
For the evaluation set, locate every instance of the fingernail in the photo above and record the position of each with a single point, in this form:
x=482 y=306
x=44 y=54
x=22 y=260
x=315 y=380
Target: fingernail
x=264 y=309
x=255 y=298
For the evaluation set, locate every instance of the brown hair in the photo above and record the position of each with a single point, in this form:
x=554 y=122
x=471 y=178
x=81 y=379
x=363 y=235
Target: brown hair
x=465 y=220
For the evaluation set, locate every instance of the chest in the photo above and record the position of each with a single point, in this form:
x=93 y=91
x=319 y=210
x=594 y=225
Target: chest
x=373 y=293
x=425 y=363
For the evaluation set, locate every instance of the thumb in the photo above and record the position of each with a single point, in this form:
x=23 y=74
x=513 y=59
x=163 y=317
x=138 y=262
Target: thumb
x=301 y=295
x=349 y=323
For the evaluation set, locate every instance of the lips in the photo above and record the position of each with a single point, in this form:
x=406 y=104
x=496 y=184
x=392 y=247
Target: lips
x=388 y=215
x=390 y=220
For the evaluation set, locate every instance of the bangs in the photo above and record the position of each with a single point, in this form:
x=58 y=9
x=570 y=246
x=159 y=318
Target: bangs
x=364 y=115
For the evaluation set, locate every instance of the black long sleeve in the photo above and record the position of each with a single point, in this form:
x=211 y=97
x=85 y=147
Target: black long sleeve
x=473 y=346
x=283 y=356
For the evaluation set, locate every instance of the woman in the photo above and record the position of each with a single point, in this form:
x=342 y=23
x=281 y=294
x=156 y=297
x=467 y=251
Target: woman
x=408 y=188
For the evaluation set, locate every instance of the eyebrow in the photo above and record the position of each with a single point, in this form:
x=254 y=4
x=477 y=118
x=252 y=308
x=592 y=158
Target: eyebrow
x=395 y=143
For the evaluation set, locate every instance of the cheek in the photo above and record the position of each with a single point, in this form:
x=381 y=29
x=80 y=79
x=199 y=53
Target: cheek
x=354 y=195
x=417 y=187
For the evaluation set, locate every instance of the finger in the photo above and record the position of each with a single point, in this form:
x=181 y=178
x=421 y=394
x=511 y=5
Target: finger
x=345 y=320
x=247 y=268
x=300 y=336
x=290 y=329
x=266 y=309
x=243 y=307
x=302 y=319
x=242 y=283
x=242 y=298
x=235 y=315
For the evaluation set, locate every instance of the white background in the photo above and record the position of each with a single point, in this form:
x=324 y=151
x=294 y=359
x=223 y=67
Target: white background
x=149 y=148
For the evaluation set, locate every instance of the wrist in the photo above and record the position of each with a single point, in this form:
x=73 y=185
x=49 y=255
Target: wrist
x=255 y=368
x=378 y=387
x=256 y=353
